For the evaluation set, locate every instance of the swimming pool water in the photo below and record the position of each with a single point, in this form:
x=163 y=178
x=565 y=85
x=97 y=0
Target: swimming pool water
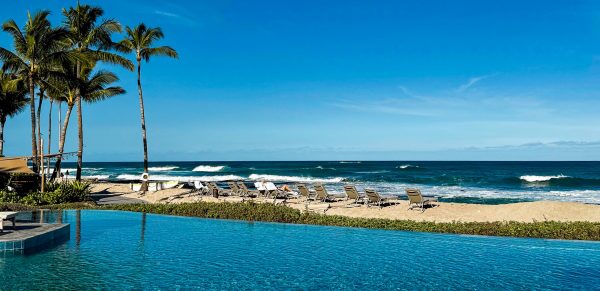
x=125 y=250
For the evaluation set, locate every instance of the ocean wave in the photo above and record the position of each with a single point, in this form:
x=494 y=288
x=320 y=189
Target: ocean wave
x=457 y=192
x=534 y=178
x=129 y=177
x=277 y=178
x=373 y=172
x=406 y=166
x=345 y=162
x=205 y=168
x=165 y=168
x=99 y=177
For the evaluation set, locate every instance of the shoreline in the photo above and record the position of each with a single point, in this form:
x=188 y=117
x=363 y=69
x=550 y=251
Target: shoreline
x=535 y=211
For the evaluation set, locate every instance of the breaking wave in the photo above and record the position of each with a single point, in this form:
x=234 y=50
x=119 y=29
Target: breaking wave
x=99 y=177
x=533 y=178
x=129 y=177
x=165 y=168
x=406 y=167
x=204 y=168
x=277 y=178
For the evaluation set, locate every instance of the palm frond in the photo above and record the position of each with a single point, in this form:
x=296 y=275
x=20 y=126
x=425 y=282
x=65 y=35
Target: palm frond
x=111 y=58
x=158 y=51
x=103 y=94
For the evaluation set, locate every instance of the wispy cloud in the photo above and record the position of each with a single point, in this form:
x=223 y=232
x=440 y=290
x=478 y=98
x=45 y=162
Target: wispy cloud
x=176 y=16
x=468 y=105
x=472 y=81
x=389 y=106
x=168 y=14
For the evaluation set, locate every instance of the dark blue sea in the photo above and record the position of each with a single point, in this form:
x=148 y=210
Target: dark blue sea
x=471 y=182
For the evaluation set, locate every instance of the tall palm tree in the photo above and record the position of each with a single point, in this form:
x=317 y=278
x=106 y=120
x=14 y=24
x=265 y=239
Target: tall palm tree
x=92 y=38
x=12 y=101
x=37 y=47
x=140 y=40
x=64 y=89
x=92 y=87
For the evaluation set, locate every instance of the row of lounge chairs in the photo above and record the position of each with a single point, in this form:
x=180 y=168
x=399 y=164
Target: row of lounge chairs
x=319 y=194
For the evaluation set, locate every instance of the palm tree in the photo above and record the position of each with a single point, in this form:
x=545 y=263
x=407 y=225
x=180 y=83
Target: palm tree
x=37 y=47
x=63 y=90
x=93 y=40
x=140 y=40
x=12 y=101
x=91 y=87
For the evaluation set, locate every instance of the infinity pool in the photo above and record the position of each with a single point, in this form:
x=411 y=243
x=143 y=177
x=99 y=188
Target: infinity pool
x=125 y=250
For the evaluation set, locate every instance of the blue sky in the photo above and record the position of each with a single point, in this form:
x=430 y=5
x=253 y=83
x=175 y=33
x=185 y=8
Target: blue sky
x=312 y=80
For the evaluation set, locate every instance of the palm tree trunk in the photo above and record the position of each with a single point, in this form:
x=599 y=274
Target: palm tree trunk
x=143 y=118
x=79 y=127
x=61 y=142
x=33 y=137
x=80 y=134
x=2 y=121
x=39 y=120
x=49 y=132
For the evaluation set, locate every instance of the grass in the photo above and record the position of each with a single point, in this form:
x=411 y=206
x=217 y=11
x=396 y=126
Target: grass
x=277 y=213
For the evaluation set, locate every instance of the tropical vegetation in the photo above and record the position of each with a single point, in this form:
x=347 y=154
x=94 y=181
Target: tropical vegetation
x=55 y=193
x=267 y=212
x=60 y=64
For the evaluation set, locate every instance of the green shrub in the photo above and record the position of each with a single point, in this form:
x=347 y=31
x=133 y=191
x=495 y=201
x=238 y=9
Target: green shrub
x=277 y=213
x=56 y=193
x=73 y=191
x=34 y=198
x=9 y=197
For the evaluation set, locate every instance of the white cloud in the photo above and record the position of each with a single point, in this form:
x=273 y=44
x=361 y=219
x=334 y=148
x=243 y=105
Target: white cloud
x=168 y=14
x=472 y=81
x=176 y=16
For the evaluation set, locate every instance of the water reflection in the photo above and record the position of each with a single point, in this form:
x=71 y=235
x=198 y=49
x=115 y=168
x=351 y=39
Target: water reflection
x=143 y=227
x=78 y=227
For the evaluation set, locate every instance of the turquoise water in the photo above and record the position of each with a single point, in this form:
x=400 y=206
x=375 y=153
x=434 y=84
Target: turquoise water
x=125 y=250
x=471 y=182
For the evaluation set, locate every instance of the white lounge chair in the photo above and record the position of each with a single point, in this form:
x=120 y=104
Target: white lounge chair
x=7 y=215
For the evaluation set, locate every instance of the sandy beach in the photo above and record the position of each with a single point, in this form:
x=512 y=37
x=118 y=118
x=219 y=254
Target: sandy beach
x=444 y=212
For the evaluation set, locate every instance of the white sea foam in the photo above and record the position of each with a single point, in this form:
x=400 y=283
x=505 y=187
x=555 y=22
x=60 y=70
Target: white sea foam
x=277 y=178
x=345 y=162
x=165 y=168
x=406 y=166
x=395 y=189
x=533 y=178
x=99 y=177
x=129 y=177
x=320 y=167
x=204 y=168
x=373 y=172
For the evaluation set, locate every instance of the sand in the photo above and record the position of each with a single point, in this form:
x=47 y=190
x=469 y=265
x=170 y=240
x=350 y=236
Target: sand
x=444 y=212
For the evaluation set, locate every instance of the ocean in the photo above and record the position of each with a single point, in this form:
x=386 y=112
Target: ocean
x=469 y=182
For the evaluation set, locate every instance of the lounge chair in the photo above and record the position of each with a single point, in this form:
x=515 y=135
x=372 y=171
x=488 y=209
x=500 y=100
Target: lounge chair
x=306 y=193
x=272 y=190
x=7 y=215
x=200 y=187
x=220 y=191
x=353 y=194
x=375 y=199
x=244 y=191
x=323 y=195
x=416 y=199
x=261 y=188
x=235 y=190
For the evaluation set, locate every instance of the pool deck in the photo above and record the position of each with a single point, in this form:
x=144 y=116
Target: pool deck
x=28 y=237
